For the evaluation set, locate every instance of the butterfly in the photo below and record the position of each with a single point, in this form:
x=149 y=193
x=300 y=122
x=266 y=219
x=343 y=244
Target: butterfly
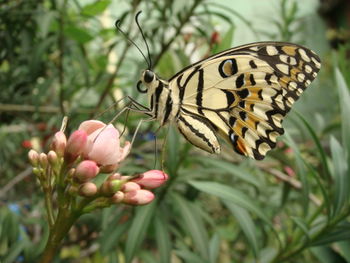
x=241 y=95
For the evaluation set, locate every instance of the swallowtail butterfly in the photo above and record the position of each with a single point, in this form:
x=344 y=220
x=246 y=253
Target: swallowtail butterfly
x=241 y=95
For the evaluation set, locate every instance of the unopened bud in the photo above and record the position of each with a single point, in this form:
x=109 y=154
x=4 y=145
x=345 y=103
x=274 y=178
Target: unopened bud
x=59 y=143
x=33 y=157
x=130 y=186
x=138 y=197
x=118 y=197
x=109 y=187
x=88 y=189
x=109 y=168
x=52 y=158
x=43 y=160
x=86 y=170
x=151 y=179
x=115 y=176
x=75 y=145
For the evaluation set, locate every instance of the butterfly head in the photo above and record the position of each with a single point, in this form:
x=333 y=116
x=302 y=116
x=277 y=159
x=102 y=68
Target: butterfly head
x=148 y=79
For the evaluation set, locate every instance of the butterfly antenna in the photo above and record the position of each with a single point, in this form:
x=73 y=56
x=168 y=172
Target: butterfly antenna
x=144 y=38
x=117 y=25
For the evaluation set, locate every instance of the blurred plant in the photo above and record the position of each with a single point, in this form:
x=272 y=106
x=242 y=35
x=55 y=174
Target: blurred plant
x=293 y=206
x=70 y=169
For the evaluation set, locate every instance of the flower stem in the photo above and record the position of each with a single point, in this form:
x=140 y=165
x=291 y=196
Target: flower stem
x=65 y=220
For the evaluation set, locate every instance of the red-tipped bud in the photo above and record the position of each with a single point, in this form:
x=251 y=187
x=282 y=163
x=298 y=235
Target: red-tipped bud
x=138 y=197
x=215 y=38
x=33 y=157
x=88 y=189
x=59 y=143
x=130 y=186
x=86 y=170
x=117 y=198
x=151 y=179
x=75 y=145
x=43 y=160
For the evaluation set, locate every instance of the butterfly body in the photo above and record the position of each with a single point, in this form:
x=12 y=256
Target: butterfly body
x=241 y=95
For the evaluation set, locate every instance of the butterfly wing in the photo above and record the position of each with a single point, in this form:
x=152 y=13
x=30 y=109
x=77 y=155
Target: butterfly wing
x=243 y=94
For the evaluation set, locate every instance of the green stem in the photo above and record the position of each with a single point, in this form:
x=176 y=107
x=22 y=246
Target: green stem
x=63 y=223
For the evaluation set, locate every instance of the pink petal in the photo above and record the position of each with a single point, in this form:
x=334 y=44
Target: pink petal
x=124 y=151
x=105 y=148
x=91 y=125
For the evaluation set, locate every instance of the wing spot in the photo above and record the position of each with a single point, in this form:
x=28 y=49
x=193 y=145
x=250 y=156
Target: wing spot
x=317 y=64
x=292 y=85
x=308 y=69
x=283 y=68
x=303 y=55
x=271 y=50
x=301 y=77
x=240 y=81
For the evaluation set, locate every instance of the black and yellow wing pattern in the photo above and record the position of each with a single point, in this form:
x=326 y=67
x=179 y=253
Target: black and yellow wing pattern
x=241 y=95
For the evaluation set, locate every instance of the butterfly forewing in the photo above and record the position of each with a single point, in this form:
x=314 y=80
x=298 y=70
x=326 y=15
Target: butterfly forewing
x=242 y=94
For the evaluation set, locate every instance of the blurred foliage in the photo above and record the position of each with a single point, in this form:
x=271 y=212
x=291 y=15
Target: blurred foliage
x=62 y=57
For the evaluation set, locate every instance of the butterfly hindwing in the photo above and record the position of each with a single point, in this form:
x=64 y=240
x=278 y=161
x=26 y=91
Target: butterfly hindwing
x=244 y=93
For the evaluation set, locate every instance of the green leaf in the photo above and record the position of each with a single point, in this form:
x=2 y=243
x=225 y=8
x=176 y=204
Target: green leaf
x=173 y=148
x=344 y=99
x=189 y=256
x=301 y=171
x=96 y=8
x=247 y=225
x=231 y=168
x=302 y=225
x=326 y=255
x=214 y=248
x=341 y=178
x=193 y=223
x=138 y=229
x=162 y=237
x=340 y=233
x=78 y=34
x=232 y=195
x=344 y=249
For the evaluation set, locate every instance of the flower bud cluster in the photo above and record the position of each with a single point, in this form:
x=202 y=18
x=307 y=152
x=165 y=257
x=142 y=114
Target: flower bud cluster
x=93 y=149
x=133 y=190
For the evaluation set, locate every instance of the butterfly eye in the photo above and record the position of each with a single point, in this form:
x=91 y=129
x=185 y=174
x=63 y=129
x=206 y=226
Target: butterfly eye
x=149 y=76
x=138 y=86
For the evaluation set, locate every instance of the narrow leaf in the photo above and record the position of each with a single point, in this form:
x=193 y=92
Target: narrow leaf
x=247 y=225
x=232 y=195
x=340 y=176
x=138 y=229
x=214 y=248
x=95 y=8
x=194 y=224
x=162 y=237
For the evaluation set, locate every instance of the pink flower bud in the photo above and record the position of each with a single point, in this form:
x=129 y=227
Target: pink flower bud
x=118 y=197
x=52 y=158
x=75 y=145
x=33 y=157
x=138 y=197
x=151 y=179
x=59 y=143
x=130 y=186
x=86 y=170
x=43 y=160
x=88 y=189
